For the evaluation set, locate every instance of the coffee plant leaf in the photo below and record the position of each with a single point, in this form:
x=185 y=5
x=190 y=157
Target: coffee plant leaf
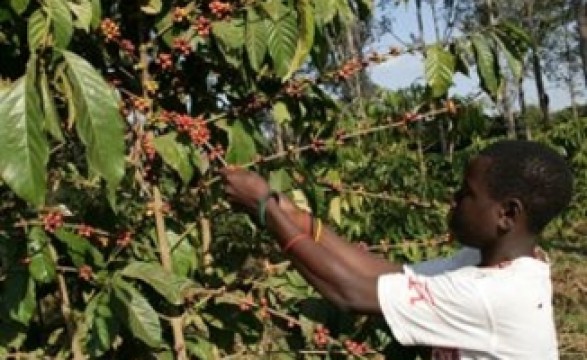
x=24 y=150
x=99 y=124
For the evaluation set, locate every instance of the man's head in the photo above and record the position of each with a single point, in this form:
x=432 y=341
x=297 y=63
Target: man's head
x=512 y=185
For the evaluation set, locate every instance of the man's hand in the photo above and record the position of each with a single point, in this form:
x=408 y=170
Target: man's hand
x=244 y=187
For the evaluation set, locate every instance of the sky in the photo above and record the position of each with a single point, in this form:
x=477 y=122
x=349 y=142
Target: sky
x=402 y=71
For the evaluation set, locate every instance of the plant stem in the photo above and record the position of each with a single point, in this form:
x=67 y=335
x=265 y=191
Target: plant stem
x=165 y=254
x=66 y=310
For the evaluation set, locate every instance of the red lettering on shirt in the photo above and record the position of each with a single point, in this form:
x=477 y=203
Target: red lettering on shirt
x=421 y=291
x=445 y=354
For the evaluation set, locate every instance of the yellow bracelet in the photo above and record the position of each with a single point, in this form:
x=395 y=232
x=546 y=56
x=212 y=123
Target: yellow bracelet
x=318 y=230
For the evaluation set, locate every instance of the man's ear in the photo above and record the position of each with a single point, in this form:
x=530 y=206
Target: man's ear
x=511 y=213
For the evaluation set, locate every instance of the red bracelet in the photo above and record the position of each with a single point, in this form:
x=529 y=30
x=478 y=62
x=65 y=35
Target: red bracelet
x=290 y=243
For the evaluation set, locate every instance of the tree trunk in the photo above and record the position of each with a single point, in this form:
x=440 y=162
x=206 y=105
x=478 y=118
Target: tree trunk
x=542 y=95
x=581 y=11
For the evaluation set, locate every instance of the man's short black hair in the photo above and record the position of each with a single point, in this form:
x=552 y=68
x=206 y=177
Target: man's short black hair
x=533 y=173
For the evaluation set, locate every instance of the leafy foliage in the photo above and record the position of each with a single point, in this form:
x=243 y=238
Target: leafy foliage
x=111 y=105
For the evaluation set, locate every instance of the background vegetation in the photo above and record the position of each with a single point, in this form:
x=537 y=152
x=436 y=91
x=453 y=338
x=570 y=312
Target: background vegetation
x=115 y=239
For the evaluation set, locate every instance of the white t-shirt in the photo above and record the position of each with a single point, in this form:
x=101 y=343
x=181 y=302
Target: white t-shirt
x=465 y=312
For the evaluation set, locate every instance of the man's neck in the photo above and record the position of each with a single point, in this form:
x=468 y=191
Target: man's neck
x=507 y=249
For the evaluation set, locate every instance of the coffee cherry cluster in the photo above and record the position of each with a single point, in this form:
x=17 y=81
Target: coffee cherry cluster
x=203 y=26
x=165 y=61
x=127 y=46
x=216 y=152
x=124 y=238
x=355 y=348
x=411 y=117
x=180 y=14
x=141 y=104
x=317 y=145
x=148 y=146
x=85 y=230
x=220 y=9
x=85 y=272
x=182 y=46
x=52 y=221
x=295 y=89
x=350 y=68
x=110 y=29
x=321 y=336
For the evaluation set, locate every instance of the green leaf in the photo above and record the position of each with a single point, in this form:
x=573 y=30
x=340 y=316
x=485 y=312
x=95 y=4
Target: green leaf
x=334 y=210
x=98 y=122
x=256 y=34
x=514 y=63
x=151 y=7
x=96 y=13
x=274 y=8
x=241 y=146
x=135 y=312
x=200 y=160
x=80 y=250
x=37 y=29
x=200 y=348
x=19 y=6
x=345 y=13
x=324 y=10
x=83 y=14
x=280 y=113
x=230 y=37
x=24 y=150
x=183 y=254
x=18 y=296
x=306 y=35
x=487 y=64
x=102 y=325
x=61 y=21
x=51 y=116
x=171 y=286
x=283 y=38
x=175 y=154
x=439 y=69
x=280 y=180
x=42 y=266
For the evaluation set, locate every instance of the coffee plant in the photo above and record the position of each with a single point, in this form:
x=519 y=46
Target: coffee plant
x=115 y=239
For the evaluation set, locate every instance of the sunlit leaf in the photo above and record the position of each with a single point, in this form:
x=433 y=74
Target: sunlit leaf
x=98 y=122
x=230 y=36
x=171 y=286
x=151 y=7
x=256 y=34
x=19 y=6
x=52 y=121
x=306 y=35
x=61 y=21
x=241 y=146
x=135 y=312
x=80 y=250
x=487 y=64
x=439 y=69
x=175 y=154
x=42 y=267
x=283 y=38
x=37 y=29
x=24 y=150
x=83 y=14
